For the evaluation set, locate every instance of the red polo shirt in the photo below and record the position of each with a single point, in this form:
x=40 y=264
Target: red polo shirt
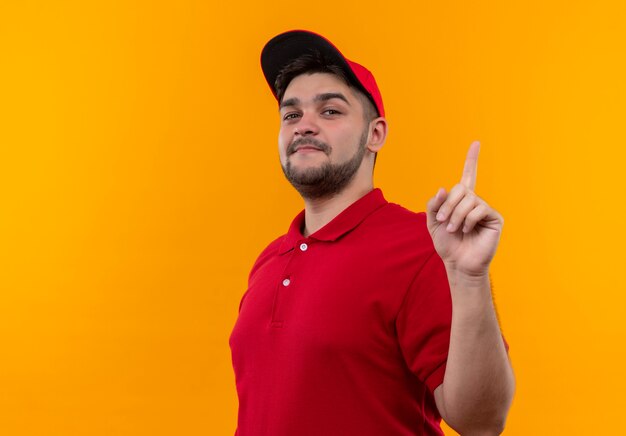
x=344 y=332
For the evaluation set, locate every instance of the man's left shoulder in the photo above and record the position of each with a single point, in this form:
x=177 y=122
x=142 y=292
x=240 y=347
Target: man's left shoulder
x=398 y=215
x=399 y=223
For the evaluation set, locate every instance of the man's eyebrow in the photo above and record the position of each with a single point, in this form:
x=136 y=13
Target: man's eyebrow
x=330 y=95
x=289 y=102
x=320 y=97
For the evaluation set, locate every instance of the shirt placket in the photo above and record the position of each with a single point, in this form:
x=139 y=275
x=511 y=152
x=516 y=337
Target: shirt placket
x=288 y=283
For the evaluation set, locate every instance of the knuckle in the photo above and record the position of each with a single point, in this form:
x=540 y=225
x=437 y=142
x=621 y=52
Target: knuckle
x=455 y=191
x=460 y=188
x=471 y=198
x=457 y=216
x=474 y=215
x=470 y=218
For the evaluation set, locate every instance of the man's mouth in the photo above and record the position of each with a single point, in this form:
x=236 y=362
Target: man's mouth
x=306 y=149
x=307 y=145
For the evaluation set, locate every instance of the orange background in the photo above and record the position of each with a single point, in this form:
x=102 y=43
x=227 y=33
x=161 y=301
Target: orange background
x=139 y=179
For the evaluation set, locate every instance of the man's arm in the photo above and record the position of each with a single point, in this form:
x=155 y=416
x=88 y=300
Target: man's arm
x=478 y=384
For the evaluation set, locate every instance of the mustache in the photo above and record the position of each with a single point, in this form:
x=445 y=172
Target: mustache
x=307 y=141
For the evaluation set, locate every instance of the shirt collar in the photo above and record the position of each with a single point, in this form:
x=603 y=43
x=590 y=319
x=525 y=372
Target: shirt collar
x=345 y=221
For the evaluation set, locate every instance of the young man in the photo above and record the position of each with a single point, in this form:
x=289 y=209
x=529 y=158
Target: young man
x=365 y=318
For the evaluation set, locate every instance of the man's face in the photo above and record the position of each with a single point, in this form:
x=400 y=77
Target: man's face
x=322 y=134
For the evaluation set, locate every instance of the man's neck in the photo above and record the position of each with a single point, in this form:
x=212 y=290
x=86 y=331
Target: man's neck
x=319 y=212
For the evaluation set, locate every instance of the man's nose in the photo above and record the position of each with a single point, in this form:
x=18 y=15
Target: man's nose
x=306 y=126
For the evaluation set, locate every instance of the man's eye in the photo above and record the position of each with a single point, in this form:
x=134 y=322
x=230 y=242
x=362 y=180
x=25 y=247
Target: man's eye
x=331 y=112
x=290 y=116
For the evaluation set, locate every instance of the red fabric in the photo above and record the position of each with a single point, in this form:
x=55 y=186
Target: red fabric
x=356 y=340
x=369 y=83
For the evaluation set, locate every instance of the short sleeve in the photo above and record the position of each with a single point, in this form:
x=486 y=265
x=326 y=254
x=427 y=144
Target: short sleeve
x=423 y=323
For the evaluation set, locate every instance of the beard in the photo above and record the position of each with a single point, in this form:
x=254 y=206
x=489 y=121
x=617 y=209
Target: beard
x=328 y=179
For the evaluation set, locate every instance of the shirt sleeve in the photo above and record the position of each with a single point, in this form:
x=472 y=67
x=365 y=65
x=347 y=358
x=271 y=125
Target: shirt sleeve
x=423 y=323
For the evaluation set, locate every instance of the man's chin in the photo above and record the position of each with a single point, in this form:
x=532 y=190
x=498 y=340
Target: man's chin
x=306 y=160
x=305 y=171
x=306 y=178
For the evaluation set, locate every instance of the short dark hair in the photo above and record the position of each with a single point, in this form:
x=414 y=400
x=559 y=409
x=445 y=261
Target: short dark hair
x=316 y=62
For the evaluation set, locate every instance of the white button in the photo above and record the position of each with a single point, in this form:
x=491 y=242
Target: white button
x=286 y=282
x=303 y=247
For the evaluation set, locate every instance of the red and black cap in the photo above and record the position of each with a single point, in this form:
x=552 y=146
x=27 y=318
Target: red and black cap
x=284 y=48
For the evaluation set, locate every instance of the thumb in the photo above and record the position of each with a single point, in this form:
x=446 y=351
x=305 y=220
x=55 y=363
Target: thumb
x=433 y=205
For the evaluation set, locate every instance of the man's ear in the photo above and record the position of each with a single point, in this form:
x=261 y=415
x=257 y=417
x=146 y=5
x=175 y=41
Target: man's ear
x=378 y=134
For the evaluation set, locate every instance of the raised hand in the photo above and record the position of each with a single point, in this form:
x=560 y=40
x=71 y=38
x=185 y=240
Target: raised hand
x=464 y=228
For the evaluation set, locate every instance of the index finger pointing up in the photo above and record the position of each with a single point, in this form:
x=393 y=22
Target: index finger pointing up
x=471 y=162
